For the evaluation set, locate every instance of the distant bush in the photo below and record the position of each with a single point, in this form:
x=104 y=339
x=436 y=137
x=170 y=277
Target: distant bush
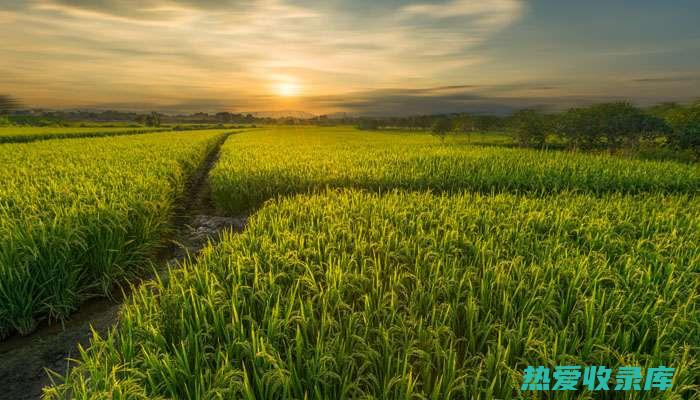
x=610 y=125
x=441 y=127
x=685 y=124
x=529 y=128
x=30 y=120
x=368 y=125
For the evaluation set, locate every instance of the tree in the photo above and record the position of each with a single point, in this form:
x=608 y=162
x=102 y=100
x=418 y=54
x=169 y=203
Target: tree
x=465 y=124
x=685 y=126
x=484 y=123
x=663 y=109
x=7 y=104
x=651 y=126
x=153 y=119
x=620 y=123
x=224 y=117
x=529 y=128
x=577 y=127
x=441 y=126
x=368 y=124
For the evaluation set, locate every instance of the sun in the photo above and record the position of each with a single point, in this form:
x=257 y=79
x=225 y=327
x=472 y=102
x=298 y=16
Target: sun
x=287 y=89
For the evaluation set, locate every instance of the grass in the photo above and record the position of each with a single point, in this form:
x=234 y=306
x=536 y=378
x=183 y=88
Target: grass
x=80 y=214
x=413 y=295
x=16 y=134
x=256 y=166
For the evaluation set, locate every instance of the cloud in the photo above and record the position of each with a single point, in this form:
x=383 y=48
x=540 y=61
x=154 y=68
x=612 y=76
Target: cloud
x=477 y=99
x=7 y=17
x=171 y=10
x=176 y=107
x=382 y=102
x=452 y=28
x=133 y=9
x=174 y=51
x=495 y=12
x=445 y=54
x=667 y=79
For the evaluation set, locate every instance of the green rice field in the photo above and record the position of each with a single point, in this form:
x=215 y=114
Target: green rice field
x=77 y=215
x=256 y=166
x=412 y=295
x=16 y=134
x=374 y=265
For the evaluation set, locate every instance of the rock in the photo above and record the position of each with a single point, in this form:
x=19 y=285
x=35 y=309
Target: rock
x=205 y=228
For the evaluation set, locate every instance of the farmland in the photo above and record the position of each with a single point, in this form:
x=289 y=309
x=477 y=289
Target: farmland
x=350 y=295
x=391 y=265
x=78 y=215
x=257 y=166
x=29 y=134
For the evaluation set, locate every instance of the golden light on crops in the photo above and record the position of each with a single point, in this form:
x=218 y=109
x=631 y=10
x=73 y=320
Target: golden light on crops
x=287 y=89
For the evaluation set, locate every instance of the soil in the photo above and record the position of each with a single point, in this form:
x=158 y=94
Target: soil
x=25 y=361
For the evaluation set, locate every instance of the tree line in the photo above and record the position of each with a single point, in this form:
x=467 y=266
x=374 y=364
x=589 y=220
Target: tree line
x=453 y=122
x=611 y=126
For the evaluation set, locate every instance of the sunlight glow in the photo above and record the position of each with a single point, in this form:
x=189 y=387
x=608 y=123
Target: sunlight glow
x=287 y=89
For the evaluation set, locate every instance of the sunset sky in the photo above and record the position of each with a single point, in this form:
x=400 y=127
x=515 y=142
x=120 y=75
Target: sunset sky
x=356 y=56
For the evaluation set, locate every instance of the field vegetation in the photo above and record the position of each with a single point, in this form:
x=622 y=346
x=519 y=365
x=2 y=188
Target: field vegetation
x=395 y=265
x=256 y=166
x=14 y=134
x=78 y=215
x=413 y=295
x=664 y=131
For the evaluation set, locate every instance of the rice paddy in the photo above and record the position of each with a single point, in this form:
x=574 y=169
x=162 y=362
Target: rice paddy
x=375 y=265
x=29 y=134
x=412 y=295
x=78 y=215
x=256 y=166
x=391 y=266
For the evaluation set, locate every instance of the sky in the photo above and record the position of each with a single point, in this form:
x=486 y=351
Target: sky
x=366 y=57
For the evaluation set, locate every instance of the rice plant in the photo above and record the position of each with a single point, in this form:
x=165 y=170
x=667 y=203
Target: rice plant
x=256 y=166
x=16 y=134
x=350 y=294
x=458 y=267
x=80 y=214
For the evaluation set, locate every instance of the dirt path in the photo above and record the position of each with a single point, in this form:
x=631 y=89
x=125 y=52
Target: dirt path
x=24 y=361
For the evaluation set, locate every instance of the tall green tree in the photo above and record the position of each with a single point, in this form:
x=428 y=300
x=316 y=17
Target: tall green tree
x=152 y=119
x=441 y=127
x=529 y=128
x=622 y=123
x=685 y=125
x=465 y=124
x=578 y=127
